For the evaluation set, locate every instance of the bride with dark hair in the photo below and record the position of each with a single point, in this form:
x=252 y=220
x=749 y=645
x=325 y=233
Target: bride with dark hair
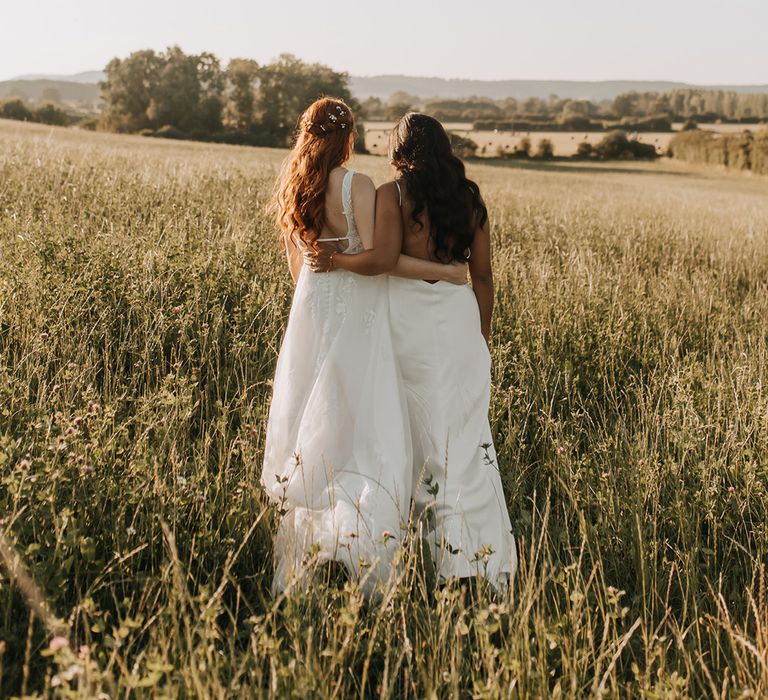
x=440 y=333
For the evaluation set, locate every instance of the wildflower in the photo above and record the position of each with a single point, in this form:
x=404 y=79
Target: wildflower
x=25 y=463
x=130 y=530
x=43 y=336
x=58 y=642
x=181 y=481
x=87 y=469
x=387 y=535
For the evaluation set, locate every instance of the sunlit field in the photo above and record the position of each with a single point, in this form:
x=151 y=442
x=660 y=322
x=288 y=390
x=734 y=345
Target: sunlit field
x=142 y=302
x=564 y=143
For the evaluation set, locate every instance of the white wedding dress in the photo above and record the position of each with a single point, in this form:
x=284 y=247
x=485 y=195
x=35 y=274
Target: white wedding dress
x=338 y=456
x=446 y=370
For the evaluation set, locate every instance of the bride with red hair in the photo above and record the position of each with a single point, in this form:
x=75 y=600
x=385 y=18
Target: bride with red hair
x=338 y=457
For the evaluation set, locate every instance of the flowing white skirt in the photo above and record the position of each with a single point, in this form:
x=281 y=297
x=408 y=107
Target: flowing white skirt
x=446 y=366
x=337 y=456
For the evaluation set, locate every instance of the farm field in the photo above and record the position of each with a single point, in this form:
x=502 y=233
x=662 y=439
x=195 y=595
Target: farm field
x=142 y=302
x=565 y=143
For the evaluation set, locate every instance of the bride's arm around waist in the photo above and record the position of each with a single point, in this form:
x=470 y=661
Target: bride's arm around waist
x=384 y=256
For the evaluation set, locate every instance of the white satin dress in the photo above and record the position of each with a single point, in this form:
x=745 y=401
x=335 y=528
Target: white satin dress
x=446 y=370
x=337 y=458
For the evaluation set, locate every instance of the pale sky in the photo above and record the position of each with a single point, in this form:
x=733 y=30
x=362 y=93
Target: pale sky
x=701 y=41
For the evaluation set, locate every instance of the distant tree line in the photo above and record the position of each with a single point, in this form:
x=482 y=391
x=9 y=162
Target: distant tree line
x=633 y=111
x=745 y=151
x=46 y=113
x=698 y=104
x=180 y=95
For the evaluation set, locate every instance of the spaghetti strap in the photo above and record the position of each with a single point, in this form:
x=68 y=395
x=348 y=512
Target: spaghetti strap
x=346 y=200
x=399 y=194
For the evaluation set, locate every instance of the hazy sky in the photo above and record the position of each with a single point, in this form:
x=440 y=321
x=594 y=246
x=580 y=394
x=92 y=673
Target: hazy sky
x=701 y=42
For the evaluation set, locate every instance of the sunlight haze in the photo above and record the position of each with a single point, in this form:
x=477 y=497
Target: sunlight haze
x=698 y=42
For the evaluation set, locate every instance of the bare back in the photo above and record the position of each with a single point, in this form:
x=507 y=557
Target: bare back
x=359 y=199
x=416 y=239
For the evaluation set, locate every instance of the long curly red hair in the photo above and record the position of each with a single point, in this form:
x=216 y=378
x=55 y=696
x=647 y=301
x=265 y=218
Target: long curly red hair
x=325 y=138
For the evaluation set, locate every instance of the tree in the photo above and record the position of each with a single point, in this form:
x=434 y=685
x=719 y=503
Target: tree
x=129 y=89
x=372 y=108
x=624 y=105
x=211 y=80
x=584 y=150
x=524 y=147
x=534 y=105
x=150 y=90
x=617 y=145
x=15 y=109
x=545 y=149
x=394 y=111
x=243 y=78
x=176 y=94
x=51 y=114
x=288 y=86
x=463 y=146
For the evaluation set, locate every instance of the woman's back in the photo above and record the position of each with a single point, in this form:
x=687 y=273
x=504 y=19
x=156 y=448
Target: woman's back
x=337 y=451
x=416 y=239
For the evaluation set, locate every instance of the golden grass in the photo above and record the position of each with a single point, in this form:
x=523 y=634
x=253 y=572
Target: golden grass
x=142 y=302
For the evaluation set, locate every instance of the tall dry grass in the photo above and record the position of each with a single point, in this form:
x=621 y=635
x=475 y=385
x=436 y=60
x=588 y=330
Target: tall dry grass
x=142 y=302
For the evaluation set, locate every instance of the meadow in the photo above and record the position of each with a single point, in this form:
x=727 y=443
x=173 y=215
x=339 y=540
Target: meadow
x=564 y=143
x=142 y=301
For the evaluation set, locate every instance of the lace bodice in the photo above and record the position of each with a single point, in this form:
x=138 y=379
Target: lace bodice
x=352 y=239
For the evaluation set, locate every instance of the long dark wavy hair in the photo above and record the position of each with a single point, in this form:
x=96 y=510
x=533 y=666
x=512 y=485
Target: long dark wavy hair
x=435 y=180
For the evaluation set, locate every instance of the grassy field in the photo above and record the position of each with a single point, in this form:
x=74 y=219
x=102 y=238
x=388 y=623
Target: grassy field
x=564 y=143
x=142 y=302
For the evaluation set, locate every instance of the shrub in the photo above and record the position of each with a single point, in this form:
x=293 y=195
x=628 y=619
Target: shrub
x=51 y=114
x=545 y=149
x=578 y=123
x=463 y=147
x=524 y=147
x=170 y=132
x=745 y=151
x=584 y=150
x=16 y=109
x=656 y=122
x=616 y=145
x=760 y=152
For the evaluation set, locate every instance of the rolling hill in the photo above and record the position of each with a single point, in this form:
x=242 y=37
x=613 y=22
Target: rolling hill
x=66 y=91
x=83 y=87
x=383 y=86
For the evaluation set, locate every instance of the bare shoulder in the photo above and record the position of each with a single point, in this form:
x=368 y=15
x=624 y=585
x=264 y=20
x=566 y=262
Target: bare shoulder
x=388 y=192
x=362 y=183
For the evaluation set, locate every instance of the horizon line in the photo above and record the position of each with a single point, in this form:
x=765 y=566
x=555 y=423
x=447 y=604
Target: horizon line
x=63 y=76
